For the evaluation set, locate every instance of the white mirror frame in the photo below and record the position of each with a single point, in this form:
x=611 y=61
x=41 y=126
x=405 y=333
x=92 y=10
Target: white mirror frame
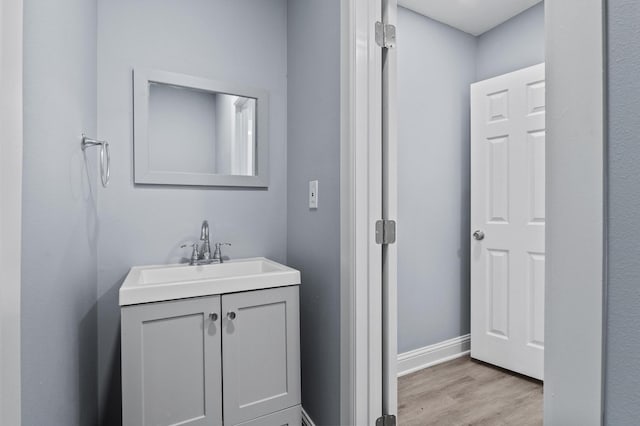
x=143 y=174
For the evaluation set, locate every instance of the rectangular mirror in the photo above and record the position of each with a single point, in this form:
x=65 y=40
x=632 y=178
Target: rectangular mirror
x=195 y=131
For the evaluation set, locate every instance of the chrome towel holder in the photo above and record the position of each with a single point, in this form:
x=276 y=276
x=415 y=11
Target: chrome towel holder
x=105 y=157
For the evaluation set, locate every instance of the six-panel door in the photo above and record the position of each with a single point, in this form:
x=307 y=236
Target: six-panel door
x=508 y=213
x=261 y=346
x=171 y=357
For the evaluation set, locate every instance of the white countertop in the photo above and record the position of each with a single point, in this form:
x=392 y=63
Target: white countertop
x=156 y=283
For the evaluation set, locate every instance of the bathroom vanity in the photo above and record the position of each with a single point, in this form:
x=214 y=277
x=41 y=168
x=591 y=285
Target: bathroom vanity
x=211 y=345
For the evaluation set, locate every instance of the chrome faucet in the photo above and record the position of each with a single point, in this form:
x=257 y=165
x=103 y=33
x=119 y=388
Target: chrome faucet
x=201 y=253
x=205 y=244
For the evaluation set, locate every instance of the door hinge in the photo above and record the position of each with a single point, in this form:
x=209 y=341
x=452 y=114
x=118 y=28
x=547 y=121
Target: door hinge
x=386 y=420
x=385 y=231
x=385 y=35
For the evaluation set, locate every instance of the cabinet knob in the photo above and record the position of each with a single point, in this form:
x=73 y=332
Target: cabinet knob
x=213 y=316
x=231 y=315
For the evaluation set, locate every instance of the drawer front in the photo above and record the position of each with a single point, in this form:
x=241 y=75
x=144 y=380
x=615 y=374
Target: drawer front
x=289 y=417
x=261 y=353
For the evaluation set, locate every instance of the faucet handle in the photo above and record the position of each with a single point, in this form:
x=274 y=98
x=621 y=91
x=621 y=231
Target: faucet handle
x=194 y=245
x=194 y=252
x=217 y=254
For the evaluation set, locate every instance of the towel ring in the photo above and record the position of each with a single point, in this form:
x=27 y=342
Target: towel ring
x=105 y=157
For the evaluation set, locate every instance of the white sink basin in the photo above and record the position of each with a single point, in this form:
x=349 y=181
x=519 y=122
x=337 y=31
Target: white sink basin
x=146 y=284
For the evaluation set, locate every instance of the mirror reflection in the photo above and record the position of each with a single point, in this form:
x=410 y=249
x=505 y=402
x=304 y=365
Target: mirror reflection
x=197 y=131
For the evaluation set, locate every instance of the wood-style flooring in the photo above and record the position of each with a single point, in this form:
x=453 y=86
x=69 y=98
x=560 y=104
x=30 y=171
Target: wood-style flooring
x=468 y=392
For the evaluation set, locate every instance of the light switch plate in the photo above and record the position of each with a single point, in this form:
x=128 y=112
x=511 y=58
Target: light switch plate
x=313 y=194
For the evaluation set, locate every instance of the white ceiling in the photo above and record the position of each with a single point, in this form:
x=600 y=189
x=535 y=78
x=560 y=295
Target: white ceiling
x=471 y=16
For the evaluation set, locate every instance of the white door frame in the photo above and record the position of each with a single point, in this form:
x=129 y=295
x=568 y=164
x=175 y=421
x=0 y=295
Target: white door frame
x=361 y=206
x=574 y=300
x=10 y=207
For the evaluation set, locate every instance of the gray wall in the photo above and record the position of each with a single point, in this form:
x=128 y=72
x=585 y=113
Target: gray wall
x=313 y=236
x=59 y=215
x=515 y=44
x=146 y=224
x=623 y=341
x=436 y=65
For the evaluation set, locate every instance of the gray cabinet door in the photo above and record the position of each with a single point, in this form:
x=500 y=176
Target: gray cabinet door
x=171 y=358
x=261 y=353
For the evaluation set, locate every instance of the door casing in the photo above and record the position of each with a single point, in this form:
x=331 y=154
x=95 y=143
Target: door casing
x=575 y=289
x=361 y=206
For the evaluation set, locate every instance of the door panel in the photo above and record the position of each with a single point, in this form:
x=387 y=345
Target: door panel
x=498 y=190
x=536 y=175
x=261 y=342
x=171 y=357
x=498 y=286
x=535 y=295
x=508 y=208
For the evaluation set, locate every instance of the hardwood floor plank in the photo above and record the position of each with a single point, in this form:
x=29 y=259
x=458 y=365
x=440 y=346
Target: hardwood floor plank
x=468 y=392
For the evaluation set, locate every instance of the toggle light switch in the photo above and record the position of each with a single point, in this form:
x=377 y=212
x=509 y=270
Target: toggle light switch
x=313 y=194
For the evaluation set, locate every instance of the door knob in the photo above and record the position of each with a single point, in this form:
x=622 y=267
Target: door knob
x=213 y=316
x=478 y=235
x=231 y=315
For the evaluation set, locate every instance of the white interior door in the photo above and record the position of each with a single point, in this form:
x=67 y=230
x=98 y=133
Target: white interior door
x=508 y=220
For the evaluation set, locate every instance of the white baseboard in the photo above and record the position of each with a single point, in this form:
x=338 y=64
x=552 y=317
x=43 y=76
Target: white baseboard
x=306 y=420
x=431 y=355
